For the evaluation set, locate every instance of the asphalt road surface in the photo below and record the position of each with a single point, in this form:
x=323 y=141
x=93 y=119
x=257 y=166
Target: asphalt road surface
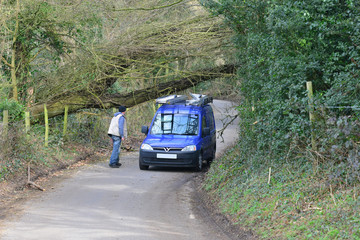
x=99 y=202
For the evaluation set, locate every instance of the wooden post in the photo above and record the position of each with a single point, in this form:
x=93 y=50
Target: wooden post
x=269 y=177
x=27 y=122
x=4 y=137
x=46 y=126
x=253 y=110
x=6 y=123
x=65 y=120
x=98 y=125
x=309 y=88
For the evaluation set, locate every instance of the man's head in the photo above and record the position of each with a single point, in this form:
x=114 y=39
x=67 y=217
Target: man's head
x=122 y=109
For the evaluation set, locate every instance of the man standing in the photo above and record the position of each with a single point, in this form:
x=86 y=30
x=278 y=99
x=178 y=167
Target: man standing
x=118 y=132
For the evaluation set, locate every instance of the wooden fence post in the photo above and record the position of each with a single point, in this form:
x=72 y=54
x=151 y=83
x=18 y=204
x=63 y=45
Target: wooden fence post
x=46 y=126
x=6 y=123
x=311 y=114
x=98 y=123
x=27 y=122
x=65 y=120
x=4 y=137
x=253 y=112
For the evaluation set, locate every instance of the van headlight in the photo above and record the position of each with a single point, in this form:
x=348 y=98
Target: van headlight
x=146 y=146
x=190 y=148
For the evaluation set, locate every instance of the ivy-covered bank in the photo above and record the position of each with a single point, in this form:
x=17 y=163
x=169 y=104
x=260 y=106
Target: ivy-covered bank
x=283 y=200
x=289 y=177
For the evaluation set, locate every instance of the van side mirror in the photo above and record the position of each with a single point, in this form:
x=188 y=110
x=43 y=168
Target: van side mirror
x=206 y=131
x=144 y=129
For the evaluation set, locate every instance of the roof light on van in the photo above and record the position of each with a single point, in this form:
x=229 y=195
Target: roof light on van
x=189 y=148
x=146 y=146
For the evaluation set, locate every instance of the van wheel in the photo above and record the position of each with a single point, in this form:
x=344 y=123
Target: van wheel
x=212 y=157
x=198 y=167
x=143 y=167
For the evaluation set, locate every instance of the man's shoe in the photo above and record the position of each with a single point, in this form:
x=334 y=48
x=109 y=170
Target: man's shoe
x=118 y=164
x=114 y=165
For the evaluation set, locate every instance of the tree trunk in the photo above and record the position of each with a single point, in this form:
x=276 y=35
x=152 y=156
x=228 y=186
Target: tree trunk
x=13 y=63
x=87 y=100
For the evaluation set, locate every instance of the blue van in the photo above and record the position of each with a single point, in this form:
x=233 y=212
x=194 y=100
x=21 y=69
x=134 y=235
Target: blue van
x=182 y=133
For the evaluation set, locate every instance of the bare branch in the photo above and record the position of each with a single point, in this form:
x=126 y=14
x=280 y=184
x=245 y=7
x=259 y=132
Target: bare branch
x=221 y=131
x=6 y=62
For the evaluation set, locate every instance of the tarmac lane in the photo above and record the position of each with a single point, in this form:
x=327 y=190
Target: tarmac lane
x=98 y=202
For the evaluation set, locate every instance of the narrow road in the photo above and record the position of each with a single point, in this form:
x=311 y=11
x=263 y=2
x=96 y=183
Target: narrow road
x=126 y=203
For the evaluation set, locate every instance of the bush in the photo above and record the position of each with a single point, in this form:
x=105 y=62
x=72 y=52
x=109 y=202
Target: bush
x=16 y=110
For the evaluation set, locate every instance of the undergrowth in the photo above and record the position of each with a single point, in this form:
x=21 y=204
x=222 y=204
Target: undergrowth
x=284 y=200
x=86 y=134
x=27 y=150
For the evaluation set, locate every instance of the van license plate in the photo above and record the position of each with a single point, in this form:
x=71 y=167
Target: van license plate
x=168 y=156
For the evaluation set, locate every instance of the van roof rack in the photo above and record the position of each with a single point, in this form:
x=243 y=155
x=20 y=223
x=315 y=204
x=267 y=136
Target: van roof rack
x=171 y=99
x=197 y=99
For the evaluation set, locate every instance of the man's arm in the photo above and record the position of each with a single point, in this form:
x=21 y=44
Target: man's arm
x=121 y=127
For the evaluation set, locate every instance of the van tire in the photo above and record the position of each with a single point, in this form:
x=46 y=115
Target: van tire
x=143 y=167
x=199 y=163
x=212 y=157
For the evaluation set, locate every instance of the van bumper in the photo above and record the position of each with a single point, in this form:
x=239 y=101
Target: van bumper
x=170 y=159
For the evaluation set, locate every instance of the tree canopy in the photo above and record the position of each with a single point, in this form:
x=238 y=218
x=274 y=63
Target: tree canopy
x=95 y=49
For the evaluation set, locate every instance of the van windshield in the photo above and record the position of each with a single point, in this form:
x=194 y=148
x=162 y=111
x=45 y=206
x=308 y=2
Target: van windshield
x=175 y=124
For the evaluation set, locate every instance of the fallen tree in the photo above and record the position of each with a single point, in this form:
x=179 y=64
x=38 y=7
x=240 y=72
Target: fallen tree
x=90 y=100
x=149 y=61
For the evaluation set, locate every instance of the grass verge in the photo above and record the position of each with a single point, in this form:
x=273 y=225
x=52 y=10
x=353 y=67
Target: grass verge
x=290 y=201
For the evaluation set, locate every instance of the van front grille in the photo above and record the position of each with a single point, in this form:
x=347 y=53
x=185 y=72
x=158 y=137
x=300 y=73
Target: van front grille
x=167 y=149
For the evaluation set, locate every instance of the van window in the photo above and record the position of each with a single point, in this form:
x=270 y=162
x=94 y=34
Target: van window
x=204 y=124
x=211 y=119
x=175 y=124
